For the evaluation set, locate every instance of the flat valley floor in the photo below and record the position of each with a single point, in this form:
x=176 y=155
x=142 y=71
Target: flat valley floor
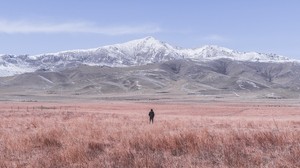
x=118 y=134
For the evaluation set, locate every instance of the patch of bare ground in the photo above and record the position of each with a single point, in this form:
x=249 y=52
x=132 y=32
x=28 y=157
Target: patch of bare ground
x=118 y=134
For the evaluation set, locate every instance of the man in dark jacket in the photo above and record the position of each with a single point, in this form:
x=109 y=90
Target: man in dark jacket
x=151 y=115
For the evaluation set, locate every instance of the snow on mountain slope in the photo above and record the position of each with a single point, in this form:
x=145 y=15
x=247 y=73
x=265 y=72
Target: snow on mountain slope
x=136 y=52
x=11 y=65
x=132 y=53
x=212 y=52
x=150 y=50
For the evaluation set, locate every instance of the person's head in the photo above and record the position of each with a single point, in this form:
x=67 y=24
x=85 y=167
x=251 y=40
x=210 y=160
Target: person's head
x=151 y=110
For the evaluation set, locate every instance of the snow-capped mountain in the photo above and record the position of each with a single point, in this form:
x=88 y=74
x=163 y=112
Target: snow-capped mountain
x=136 y=52
x=212 y=52
x=132 y=53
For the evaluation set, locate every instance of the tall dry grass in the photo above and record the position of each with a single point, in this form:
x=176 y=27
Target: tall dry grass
x=57 y=138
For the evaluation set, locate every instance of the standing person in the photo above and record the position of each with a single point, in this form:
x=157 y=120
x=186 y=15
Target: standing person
x=151 y=115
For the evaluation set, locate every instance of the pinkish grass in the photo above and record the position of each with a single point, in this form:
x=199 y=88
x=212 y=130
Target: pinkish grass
x=52 y=137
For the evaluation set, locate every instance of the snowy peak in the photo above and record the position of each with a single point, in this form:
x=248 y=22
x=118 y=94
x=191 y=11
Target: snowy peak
x=148 y=42
x=213 y=52
x=144 y=44
x=150 y=47
x=210 y=52
x=132 y=53
x=214 y=48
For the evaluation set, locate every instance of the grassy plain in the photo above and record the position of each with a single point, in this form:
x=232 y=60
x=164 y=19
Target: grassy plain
x=118 y=134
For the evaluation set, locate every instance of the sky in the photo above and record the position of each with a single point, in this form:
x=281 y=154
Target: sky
x=43 y=26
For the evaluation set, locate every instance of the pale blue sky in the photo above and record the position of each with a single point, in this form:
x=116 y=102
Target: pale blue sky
x=39 y=26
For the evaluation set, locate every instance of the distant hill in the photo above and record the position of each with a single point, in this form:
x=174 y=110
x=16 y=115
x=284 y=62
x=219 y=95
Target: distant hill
x=180 y=76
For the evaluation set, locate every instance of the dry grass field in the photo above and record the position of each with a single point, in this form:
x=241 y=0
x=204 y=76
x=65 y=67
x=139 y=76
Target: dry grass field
x=118 y=134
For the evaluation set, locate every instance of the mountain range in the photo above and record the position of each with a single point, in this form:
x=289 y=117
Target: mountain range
x=148 y=66
x=133 y=53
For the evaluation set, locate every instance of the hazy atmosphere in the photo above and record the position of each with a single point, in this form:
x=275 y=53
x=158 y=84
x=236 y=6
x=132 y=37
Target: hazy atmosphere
x=35 y=27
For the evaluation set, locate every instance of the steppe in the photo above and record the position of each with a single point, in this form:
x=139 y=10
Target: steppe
x=117 y=133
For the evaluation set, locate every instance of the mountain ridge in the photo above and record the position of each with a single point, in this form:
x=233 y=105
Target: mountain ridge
x=132 y=53
x=172 y=79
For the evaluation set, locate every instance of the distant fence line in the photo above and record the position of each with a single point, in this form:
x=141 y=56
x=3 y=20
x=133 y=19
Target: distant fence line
x=42 y=108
